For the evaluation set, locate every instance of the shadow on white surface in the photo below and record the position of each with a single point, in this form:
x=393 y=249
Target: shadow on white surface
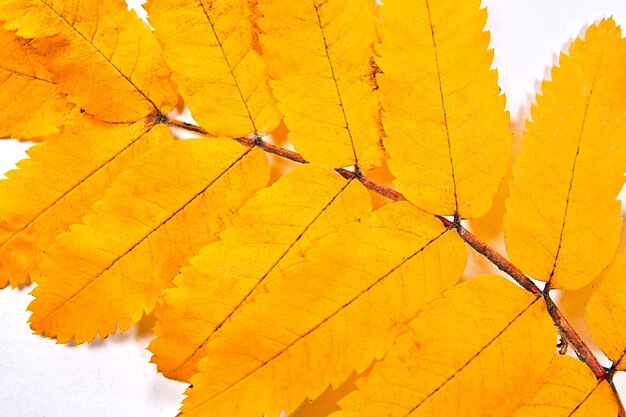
x=108 y=378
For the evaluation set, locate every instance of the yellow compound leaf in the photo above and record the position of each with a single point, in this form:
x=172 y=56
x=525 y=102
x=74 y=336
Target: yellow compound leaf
x=327 y=317
x=109 y=271
x=563 y=222
x=447 y=131
x=569 y=389
x=32 y=105
x=212 y=47
x=56 y=187
x=270 y=233
x=319 y=54
x=471 y=354
x=101 y=55
x=605 y=313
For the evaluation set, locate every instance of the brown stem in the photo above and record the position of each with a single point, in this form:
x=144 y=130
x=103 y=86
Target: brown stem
x=582 y=350
x=573 y=338
x=185 y=126
x=380 y=189
x=253 y=141
x=498 y=260
x=566 y=329
x=273 y=149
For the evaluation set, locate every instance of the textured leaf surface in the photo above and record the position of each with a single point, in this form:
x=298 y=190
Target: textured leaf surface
x=213 y=48
x=444 y=117
x=31 y=105
x=473 y=353
x=327 y=317
x=605 y=313
x=270 y=234
x=57 y=185
x=324 y=78
x=569 y=389
x=101 y=54
x=563 y=222
x=109 y=271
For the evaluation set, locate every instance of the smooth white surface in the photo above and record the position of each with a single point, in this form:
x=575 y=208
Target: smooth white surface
x=113 y=378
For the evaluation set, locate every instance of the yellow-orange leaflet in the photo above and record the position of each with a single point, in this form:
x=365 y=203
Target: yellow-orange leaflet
x=109 y=271
x=447 y=131
x=100 y=54
x=569 y=389
x=213 y=49
x=269 y=234
x=32 y=105
x=56 y=187
x=328 y=316
x=319 y=55
x=605 y=312
x=471 y=354
x=563 y=222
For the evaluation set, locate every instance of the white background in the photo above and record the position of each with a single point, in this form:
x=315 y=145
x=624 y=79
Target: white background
x=114 y=378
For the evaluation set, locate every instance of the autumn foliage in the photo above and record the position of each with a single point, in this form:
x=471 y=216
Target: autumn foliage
x=272 y=289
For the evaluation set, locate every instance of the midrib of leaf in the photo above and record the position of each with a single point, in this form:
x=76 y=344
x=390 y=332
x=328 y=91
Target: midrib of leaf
x=230 y=68
x=161 y=224
x=324 y=321
x=443 y=107
x=332 y=71
x=265 y=275
x=473 y=357
x=571 y=182
x=586 y=397
x=90 y=42
x=74 y=187
x=22 y=74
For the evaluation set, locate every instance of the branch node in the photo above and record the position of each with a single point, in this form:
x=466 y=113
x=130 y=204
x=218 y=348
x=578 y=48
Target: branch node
x=155 y=118
x=547 y=289
x=456 y=224
x=181 y=125
x=257 y=140
x=160 y=118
